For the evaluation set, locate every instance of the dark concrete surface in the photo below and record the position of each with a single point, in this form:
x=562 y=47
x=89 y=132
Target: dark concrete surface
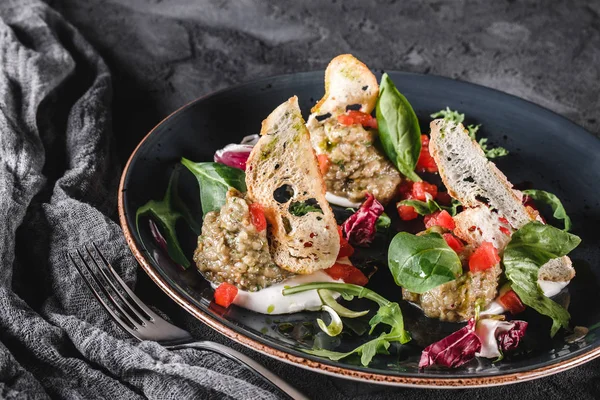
x=165 y=53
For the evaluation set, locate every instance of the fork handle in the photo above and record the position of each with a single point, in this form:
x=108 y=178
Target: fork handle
x=249 y=363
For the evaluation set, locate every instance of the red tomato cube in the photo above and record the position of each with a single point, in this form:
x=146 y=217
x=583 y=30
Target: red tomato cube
x=439 y=218
x=407 y=213
x=454 y=243
x=420 y=189
x=225 y=294
x=485 y=257
x=257 y=215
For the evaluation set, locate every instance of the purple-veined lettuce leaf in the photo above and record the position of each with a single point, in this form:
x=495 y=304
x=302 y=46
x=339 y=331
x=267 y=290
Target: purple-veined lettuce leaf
x=454 y=350
x=498 y=336
x=236 y=155
x=360 y=227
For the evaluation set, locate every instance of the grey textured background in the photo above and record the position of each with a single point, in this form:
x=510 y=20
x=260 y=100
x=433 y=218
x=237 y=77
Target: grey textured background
x=163 y=54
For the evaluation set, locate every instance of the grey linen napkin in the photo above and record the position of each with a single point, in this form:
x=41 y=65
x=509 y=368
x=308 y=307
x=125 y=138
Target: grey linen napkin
x=58 y=178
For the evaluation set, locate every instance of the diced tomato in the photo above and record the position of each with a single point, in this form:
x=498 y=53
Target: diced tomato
x=225 y=294
x=324 y=163
x=426 y=163
x=505 y=230
x=346 y=249
x=454 y=243
x=511 y=301
x=443 y=198
x=347 y=273
x=407 y=213
x=439 y=218
x=257 y=215
x=420 y=189
x=354 y=117
x=485 y=257
x=405 y=190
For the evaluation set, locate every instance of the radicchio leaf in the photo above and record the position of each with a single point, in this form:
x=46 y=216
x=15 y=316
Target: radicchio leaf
x=454 y=350
x=234 y=155
x=498 y=336
x=359 y=228
x=510 y=340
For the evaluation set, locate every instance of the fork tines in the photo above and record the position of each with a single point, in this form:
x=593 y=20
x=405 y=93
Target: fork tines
x=120 y=302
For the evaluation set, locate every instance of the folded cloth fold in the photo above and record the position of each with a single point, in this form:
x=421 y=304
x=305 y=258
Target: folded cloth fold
x=58 y=180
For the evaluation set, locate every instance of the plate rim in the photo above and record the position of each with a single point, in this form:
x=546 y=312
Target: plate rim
x=312 y=365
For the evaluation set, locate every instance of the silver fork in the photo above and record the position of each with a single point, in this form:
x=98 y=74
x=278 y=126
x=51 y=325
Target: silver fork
x=142 y=323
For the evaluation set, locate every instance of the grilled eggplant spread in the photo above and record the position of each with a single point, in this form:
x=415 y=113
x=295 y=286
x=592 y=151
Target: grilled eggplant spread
x=232 y=250
x=356 y=166
x=455 y=301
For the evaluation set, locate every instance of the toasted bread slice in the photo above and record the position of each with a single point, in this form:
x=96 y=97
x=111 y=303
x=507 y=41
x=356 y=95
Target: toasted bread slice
x=469 y=176
x=282 y=171
x=477 y=183
x=347 y=82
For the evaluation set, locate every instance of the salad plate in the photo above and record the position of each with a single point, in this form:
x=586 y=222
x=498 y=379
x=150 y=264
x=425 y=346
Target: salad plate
x=544 y=148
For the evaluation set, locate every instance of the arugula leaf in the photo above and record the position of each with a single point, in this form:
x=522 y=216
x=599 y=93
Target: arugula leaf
x=383 y=222
x=399 y=129
x=214 y=180
x=389 y=314
x=163 y=212
x=493 y=152
x=421 y=263
x=552 y=201
x=449 y=115
x=530 y=247
x=473 y=129
x=301 y=208
x=455 y=116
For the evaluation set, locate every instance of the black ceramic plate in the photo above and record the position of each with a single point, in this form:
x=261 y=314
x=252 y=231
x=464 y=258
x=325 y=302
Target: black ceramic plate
x=545 y=149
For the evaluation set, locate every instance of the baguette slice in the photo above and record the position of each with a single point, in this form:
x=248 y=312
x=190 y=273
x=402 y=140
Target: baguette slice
x=476 y=182
x=347 y=82
x=284 y=159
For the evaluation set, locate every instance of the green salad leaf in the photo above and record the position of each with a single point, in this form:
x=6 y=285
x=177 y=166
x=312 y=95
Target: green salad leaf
x=422 y=207
x=383 y=222
x=399 y=129
x=554 y=202
x=421 y=263
x=214 y=180
x=163 y=213
x=300 y=208
x=455 y=116
x=530 y=247
x=389 y=314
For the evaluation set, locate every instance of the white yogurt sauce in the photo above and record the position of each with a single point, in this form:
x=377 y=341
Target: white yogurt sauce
x=340 y=201
x=549 y=288
x=270 y=300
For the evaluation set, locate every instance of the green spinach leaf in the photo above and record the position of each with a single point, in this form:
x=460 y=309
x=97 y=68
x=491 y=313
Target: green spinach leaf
x=421 y=263
x=389 y=314
x=166 y=216
x=399 y=129
x=554 y=202
x=214 y=180
x=530 y=247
